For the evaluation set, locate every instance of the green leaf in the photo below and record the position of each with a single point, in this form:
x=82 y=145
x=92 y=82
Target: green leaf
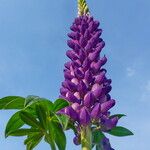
x=12 y=102
x=58 y=135
x=41 y=114
x=33 y=140
x=14 y=123
x=97 y=136
x=120 y=131
x=29 y=119
x=118 y=115
x=60 y=104
x=23 y=132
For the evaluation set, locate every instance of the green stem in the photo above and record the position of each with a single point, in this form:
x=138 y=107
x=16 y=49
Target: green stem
x=86 y=138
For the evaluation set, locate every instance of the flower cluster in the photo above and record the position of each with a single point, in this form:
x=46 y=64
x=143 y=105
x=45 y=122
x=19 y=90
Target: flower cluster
x=86 y=86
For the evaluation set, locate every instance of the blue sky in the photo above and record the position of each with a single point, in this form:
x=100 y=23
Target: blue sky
x=32 y=54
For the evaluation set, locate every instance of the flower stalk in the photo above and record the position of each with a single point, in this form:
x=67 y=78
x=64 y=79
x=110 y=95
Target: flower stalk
x=86 y=138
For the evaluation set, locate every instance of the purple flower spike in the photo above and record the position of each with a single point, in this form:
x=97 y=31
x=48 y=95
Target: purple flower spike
x=107 y=105
x=86 y=86
x=84 y=117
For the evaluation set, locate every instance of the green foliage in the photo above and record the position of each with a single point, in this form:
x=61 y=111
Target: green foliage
x=40 y=117
x=120 y=131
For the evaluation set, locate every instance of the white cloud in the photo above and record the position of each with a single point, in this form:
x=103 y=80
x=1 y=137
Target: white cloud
x=130 y=71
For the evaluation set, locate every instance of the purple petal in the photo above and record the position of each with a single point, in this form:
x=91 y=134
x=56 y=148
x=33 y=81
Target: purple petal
x=70 y=97
x=89 y=99
x=107 y=105
x=67 y=75
x=71 y=44
x=88 y=76
x=82 y=41
x=96 y=111
x=82 y=87
x=84 y=117
x=71 y=113
x=97 y=90
x=72 y=55
x=78 y=73
x=100 y=78
x=63 y=91
x=103 y=60
x=76 y=107
x=93 y=56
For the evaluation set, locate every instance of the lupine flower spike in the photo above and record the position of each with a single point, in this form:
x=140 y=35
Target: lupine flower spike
x=86 y=86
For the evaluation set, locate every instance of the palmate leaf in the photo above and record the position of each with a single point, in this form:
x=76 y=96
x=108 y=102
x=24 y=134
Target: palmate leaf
x=60 y=104
x=14 y=123
x=12 y=102
x=120 y=131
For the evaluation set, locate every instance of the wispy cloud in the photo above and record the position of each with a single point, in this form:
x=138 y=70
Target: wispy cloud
x=130 y=71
